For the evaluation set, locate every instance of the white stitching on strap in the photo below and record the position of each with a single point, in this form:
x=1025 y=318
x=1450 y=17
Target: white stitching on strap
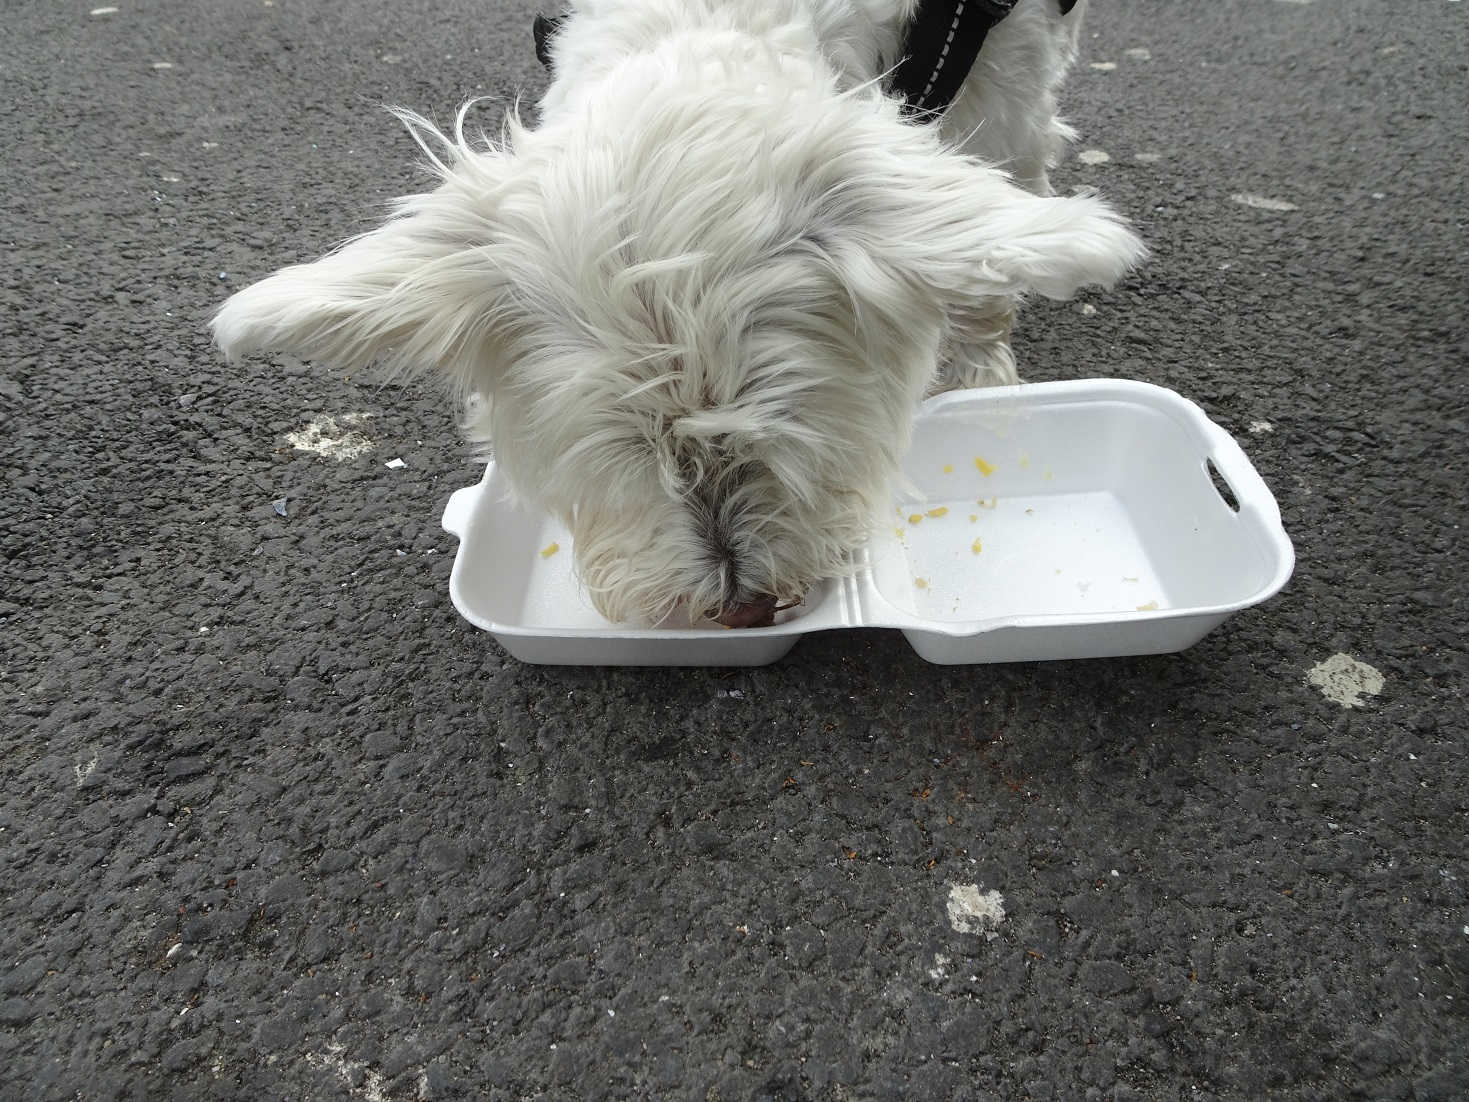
x=944 y=53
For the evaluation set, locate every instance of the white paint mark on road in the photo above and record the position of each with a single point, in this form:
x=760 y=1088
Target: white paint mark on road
x=1147 y=158
x=85 y=771
x=1262 y=202
x=1344 y=680
x=334 y=437
x=972 y=911
x=1088 y=310
x=940 y=962
x=395 y=464
x=1139 y=53
x=1094 y=156
x=1104 y=66
x=103 y=11
x=163 y=65
x=1258 y=427
x=371 y=1084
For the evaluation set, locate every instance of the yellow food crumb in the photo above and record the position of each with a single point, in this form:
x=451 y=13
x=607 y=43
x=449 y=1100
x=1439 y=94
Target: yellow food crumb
x=1024 y=460
x=973 y=517
x=1151 y=606
x=921 y=583
x=948 y=468
x=898 y=532
x=990 y=504
x=985 y=469
x=550 y=549
x=1049 y=476
x=940 y=511
x=915 y=518
x=1030 y=512
x=975 y=547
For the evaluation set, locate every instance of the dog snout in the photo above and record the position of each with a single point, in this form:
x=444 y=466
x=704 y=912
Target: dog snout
x=759 y=613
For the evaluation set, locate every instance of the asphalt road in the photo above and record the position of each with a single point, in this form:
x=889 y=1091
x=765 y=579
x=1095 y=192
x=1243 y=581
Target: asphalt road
x=276 y=823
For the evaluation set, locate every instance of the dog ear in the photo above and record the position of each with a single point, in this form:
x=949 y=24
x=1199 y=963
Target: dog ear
x=967 y=233
x=419 y=292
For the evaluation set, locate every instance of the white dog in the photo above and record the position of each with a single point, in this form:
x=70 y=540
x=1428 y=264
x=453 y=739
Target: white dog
x=704 y=294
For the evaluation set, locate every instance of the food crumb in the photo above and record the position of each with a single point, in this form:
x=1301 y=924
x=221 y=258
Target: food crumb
x=948 y=468
x=942 y=510
x=985 y=469
x=920 y=583
x=1030 y=512
x=1024 y=460
x=550 y=549
x=915 y=518
x=973 y=517
x=1125 y=578
x=990 y=504
x=975 y=547
x=1151 y=606
x=1049 y=476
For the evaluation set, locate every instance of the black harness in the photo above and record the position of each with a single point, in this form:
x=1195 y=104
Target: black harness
x=938 y=50
x=940 y=47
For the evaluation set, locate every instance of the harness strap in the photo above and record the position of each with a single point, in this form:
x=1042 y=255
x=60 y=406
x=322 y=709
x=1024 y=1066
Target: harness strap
x=940 y=48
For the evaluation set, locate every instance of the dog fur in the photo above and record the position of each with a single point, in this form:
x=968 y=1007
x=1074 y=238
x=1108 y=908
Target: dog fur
x=702 y=296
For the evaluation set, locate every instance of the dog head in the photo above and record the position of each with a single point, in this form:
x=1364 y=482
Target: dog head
x=702 y=300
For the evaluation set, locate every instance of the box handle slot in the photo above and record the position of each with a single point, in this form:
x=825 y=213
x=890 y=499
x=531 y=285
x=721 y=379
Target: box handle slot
x=1227 y=467
x=1222 y=486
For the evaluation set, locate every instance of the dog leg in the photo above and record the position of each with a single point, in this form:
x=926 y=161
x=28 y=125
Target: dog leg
x=978 y=354
x=1006 y=116
x=1006 y=112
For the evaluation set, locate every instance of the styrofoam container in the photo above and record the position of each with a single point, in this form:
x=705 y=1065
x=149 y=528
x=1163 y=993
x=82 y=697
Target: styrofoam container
x=1099 y=526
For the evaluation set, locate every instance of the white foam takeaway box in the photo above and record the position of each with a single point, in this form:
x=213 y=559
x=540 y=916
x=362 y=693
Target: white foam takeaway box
x=1044 y=521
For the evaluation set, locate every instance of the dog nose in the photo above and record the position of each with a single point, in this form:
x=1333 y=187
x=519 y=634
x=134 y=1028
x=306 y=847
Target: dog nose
x=759 y=613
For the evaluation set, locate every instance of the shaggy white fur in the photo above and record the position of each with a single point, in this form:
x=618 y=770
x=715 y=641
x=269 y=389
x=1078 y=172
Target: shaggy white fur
x=704 y=294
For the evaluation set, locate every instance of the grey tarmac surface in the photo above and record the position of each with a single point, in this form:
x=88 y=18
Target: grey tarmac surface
x=276 y=823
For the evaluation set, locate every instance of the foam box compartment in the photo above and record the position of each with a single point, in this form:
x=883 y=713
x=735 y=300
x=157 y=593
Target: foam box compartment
x=1077 y=519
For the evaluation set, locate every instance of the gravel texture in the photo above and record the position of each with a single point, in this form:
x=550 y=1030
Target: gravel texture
x=276 y=823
